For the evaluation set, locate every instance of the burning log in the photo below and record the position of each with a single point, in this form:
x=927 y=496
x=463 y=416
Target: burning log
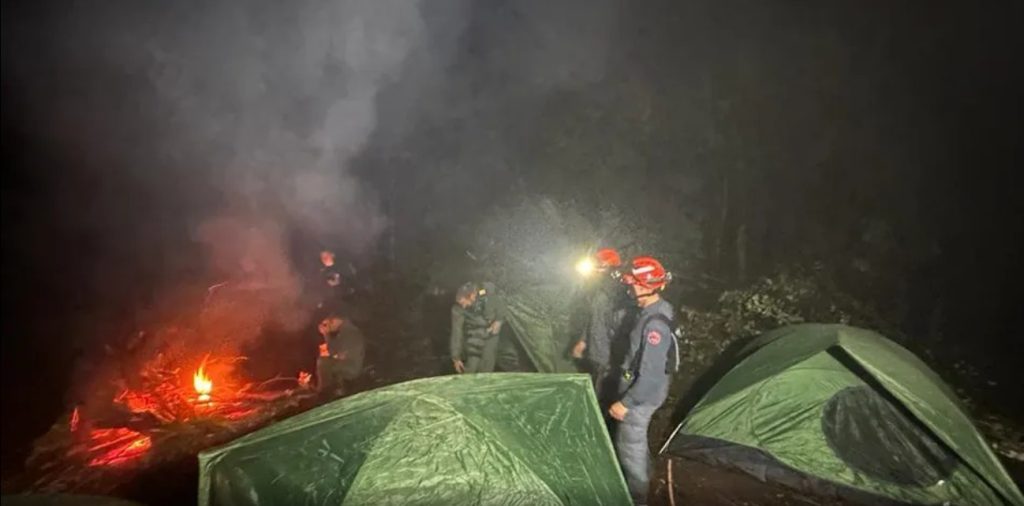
x=164 y=419
x=148 y=401
x=118 y=446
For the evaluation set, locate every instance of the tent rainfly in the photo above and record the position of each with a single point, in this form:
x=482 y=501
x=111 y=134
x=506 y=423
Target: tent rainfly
x=841 y=410
x=501 y=439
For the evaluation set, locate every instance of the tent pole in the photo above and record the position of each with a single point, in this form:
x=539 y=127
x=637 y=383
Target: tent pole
x=671 y=489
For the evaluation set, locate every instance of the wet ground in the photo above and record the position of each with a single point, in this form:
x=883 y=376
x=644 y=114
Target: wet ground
x=695 y=483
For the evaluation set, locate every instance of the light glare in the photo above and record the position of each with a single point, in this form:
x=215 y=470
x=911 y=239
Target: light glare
x=585 y=267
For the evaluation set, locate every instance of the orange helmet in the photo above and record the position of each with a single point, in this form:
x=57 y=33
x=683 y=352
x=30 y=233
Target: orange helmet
x=607 y=258
x=648 y=273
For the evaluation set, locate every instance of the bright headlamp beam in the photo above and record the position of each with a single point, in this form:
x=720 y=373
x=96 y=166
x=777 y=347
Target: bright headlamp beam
x=585 y=267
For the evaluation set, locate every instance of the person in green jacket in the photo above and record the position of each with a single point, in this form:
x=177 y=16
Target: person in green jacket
x=341 y=355
x=477 y=319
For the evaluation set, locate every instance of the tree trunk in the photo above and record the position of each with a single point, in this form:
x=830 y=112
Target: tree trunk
x=741 y=253
x=392 y=203
x=723 y=221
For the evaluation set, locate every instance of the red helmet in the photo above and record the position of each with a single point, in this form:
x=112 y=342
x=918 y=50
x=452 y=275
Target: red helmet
x=648 y=273
x=607 y=258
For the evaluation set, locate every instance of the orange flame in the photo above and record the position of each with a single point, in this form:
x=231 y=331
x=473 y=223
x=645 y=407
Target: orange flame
x=202 y=383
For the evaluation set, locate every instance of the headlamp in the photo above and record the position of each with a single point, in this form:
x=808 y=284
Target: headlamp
x=585 y=267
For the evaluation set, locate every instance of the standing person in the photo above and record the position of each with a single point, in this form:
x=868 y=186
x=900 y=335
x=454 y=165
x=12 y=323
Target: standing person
x=342 y=351
x=608 y=310
x=477 y=319
x=328 y=282
x=647 y=373
x=335 y=288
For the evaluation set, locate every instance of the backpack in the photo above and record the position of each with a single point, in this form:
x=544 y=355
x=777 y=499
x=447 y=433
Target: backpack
x=672 y=362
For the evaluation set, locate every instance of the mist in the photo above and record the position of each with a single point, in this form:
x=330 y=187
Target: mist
x=188 y=145
x=167 y=152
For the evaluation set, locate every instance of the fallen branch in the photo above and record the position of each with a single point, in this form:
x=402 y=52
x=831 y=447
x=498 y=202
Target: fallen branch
x=274 y=380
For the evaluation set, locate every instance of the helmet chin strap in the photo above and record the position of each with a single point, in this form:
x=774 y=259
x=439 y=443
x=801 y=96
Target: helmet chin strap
x=640 y=298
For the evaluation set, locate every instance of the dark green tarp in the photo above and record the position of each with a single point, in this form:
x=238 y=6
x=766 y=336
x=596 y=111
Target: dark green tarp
x=508 y=439
x=529 y=250
x=543 y=329
x=845 y=409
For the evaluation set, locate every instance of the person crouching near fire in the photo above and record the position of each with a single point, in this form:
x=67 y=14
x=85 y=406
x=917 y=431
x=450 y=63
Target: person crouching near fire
x=342 y=350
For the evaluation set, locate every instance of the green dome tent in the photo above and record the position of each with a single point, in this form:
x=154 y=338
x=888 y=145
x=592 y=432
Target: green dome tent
x=502 y=439
x=841 y=410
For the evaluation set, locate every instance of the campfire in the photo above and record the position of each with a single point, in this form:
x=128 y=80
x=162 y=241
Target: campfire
x=121 y=437
x=170 y=414
x=162 y=397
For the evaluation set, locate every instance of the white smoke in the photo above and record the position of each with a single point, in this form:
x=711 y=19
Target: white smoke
x=256 y=110
x=246 y=116
x=289 y=92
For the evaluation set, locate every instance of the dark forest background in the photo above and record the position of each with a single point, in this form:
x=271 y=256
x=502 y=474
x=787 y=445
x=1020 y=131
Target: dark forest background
x=876 y=143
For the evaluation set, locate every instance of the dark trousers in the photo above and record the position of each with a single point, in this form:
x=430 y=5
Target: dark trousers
x=482 y=356
x=606 y=390
x=633 y=451
x=606 y=384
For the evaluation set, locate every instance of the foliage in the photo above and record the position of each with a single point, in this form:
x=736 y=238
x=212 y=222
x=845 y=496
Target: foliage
x=777 y=301
x=784 y=299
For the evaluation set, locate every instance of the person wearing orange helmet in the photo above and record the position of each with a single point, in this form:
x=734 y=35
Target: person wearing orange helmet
x=608 y=310
x=646 y=372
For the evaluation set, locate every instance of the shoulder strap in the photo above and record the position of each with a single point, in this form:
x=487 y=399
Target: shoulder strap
x=672 y=362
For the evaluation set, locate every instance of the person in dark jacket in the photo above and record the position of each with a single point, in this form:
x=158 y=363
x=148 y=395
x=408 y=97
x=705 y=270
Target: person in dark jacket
x=478 y=315
x=342 y=352
x=328 y=284
x=646 y=374
x=609 y=307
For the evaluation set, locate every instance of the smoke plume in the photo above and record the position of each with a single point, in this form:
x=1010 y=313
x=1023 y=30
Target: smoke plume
x=229 y=127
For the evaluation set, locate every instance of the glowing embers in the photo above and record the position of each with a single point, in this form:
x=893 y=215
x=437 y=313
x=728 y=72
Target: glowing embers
x=202 y=383
x=118 y=446
x=137 y=402
x=304 y=379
